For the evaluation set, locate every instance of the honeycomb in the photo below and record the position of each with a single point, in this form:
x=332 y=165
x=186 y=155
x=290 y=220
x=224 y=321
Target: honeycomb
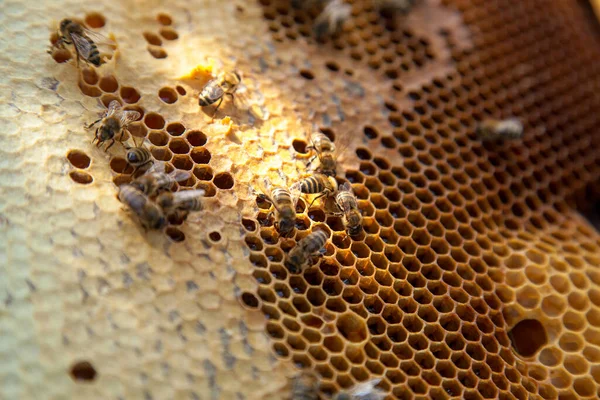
x=476 y=275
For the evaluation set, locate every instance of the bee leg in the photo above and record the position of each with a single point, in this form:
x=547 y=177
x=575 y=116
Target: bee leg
x=110 y=145
x=318 y=197
x=94 y=123
x=217 y=108
x=310 y=161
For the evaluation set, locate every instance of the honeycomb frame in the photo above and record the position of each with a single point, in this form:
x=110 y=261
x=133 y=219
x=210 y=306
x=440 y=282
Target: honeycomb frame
x=465 y=242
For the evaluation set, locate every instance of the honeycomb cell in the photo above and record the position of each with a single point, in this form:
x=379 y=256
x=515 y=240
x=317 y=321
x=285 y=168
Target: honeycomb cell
x=223 y=180
x=528 y=336
x=169 y=34
x=164 y=19
x=81 y=177
x=78 y=159
x=156 y=51
x=95 y=20
x=200 y=155
x=152 y=39
x=129 y=95
x=108 y=84
x=167 y=95
x=83 y=371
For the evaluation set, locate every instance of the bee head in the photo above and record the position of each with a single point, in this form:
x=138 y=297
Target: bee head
x=286 y=225
x=157 y=219
x=354 y=225
x=64 y=23
x=294 y=261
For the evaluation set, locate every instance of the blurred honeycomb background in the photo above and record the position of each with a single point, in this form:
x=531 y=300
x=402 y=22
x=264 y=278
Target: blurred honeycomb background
x=477 y=273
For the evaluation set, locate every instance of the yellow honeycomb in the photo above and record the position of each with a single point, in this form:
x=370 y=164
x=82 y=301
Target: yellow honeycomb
x=476 y=276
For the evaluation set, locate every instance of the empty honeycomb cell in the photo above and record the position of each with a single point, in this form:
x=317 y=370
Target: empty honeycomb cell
x=78 y=159
x=250 y=300
x=86 y=89
x=281 y=350
x=83 y=371
x=164 y=19
x=184 y=163
x=158 y=138
x=108 y=84
x=177 y=145
x=90 y=76
x=223 y=180
x=154 y=121
x=129 y=95
x=169 y=34
x=152 y=39
x=194 y=138
x=200 y=155
x=157 y=52
x=81 y=177
x=167 y=95
x=161 y=153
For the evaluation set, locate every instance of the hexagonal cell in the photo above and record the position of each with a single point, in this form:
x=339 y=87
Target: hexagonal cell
x=129 y=95
x=200 y=155
x=81 y=177
x=528 y=336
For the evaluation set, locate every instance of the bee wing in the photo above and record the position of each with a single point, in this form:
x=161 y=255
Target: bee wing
x=128 y=117
x=342 y=143
x=265 y=186
x=180 y=176
x=212 y=91
x=98 y=38
x=113 y=107
x=367 y=388
x=185 y=195
x=158 y=167
x=346 y=187
x=84 y=47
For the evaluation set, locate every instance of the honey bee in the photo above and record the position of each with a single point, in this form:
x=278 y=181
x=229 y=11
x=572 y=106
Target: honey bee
x=299 y=257
x=185 y=200
x=149 y=213
x=156 y=179
x=346 y=201
x=325 y=152
x=83 y=40
x=492 y=129
x=331 y=19
x=284 y=203
x=402 y=6
x=362 y=391
x=225 y=84
x=305 y=386
x=138 y=157
x=114 y=121
x=318 y=183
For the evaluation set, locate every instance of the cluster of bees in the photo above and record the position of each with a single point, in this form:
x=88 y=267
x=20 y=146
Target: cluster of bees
x=149 y=196
x=305 y=386
x=320 y=183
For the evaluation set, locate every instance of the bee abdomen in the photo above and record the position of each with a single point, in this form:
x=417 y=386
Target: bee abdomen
x=316 y=240
x=311 y=185
x=94 y=56
x=204 y=100
x=282 y=197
